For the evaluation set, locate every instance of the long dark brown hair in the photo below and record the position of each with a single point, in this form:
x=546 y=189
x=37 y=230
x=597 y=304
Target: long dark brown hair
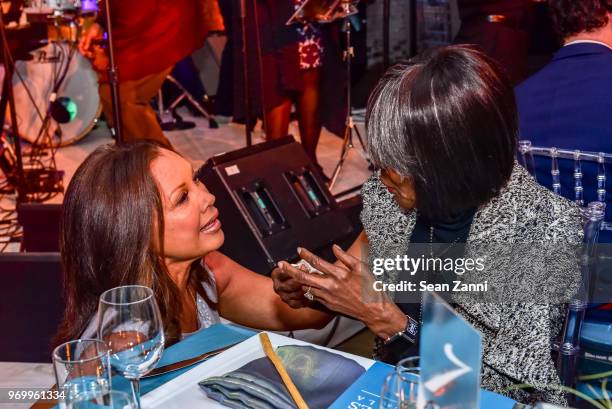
x=110 y=213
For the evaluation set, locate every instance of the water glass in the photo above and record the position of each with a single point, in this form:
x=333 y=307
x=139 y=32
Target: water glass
x=130 y=323
x=401 y=387
x=82 y=370
x=107 y=400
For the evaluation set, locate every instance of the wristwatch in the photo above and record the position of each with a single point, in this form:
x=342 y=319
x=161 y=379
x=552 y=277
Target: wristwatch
x=409 y=333
x=399 y=345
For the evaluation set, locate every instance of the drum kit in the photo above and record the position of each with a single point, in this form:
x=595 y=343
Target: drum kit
x=57 y=71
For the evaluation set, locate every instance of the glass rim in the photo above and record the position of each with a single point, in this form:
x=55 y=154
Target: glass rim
x=58 y=358
x=414 y=371
x=148 y=291
x=416 y=358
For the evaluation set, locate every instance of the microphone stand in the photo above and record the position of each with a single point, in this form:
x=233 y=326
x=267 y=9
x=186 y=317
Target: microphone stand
x=113 y=77
x=245 y=75
x=413 y=28
x=386 y=24
x=350 y=128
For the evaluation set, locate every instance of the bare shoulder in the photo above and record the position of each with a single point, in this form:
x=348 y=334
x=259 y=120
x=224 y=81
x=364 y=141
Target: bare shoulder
x=221 y=267
x=230 y=274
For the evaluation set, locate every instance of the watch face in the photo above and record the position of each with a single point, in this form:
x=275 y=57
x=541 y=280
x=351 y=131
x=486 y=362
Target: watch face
x=412 y=327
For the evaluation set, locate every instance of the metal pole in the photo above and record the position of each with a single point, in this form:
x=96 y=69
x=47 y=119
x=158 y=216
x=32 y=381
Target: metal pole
x=245 y=75
x=386 y=24
x=113 y=77
x=260 y=67
x=350 y=53
x=347 y=142
x=413 y=28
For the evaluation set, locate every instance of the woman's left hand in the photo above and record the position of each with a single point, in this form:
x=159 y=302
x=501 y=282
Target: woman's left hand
x=347 y=288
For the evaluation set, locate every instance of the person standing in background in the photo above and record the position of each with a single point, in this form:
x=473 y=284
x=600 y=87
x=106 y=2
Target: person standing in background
x=567 y=104
x=298 y=63
x=149 y=39
x=501 y=29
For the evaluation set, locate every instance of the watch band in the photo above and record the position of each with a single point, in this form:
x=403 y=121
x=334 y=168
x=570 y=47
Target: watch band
x=409 y=333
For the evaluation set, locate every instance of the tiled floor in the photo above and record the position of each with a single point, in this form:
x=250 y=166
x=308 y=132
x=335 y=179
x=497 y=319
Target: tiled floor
x=202 y=142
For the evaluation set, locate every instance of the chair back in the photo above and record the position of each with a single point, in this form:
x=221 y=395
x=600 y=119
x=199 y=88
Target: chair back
x=569 y=342
x=527 y=152
x=568 y=345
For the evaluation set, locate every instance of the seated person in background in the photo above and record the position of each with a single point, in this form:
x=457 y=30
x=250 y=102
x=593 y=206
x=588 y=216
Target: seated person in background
x=136 y=214
x=568 y=103
x=443 y=131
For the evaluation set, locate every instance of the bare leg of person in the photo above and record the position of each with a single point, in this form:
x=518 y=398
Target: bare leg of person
x=277 y=119
x=308 y=113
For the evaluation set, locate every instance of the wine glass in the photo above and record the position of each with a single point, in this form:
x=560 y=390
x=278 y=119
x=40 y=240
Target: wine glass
x=130 y=323
x=401 y=387
x=82 y=370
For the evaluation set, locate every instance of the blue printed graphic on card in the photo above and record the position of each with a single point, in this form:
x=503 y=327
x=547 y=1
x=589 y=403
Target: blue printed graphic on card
x=451 y=352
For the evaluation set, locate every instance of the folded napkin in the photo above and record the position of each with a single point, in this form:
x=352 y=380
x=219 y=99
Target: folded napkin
x=319 y=375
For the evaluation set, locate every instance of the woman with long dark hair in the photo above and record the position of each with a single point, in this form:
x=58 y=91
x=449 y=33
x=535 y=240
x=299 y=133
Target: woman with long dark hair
x=136 y=214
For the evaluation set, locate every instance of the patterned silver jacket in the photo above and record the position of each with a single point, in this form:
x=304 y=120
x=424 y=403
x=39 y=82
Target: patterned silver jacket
x=516 y=336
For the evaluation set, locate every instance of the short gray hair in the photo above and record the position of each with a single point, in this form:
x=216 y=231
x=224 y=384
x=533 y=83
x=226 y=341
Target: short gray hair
x=447 y=121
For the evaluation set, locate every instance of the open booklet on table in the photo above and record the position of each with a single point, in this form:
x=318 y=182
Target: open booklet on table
x=184 y=390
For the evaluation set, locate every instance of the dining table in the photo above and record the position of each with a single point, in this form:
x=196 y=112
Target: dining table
x=220 y=336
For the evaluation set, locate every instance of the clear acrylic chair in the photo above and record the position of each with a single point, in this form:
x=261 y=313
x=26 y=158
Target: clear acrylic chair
x=527 y=152
x=568 y=345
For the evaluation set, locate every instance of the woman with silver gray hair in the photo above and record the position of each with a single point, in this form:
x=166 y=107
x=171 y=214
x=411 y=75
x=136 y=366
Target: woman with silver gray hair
x=443 y=131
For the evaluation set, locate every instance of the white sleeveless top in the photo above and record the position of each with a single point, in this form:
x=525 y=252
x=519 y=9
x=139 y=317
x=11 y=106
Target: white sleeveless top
x=207 y=315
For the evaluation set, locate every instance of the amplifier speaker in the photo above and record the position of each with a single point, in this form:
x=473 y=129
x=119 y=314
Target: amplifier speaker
x=271 y=199
x=41 y=226
x=31 y=305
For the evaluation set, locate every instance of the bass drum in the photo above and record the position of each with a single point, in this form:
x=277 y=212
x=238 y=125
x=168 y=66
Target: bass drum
x=34 y=87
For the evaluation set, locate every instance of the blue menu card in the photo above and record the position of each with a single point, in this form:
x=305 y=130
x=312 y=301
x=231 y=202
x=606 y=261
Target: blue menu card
x=451 y=353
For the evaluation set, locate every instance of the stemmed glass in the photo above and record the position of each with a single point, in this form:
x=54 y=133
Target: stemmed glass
x=130 y=323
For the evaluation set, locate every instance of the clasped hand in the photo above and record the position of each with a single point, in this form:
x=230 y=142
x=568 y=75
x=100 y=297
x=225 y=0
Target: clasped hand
x=345 y=287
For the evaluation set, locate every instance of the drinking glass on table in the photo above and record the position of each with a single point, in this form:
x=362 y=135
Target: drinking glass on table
x=130 y=323
x=82 y=370
x=401 y=387
x=107 y=400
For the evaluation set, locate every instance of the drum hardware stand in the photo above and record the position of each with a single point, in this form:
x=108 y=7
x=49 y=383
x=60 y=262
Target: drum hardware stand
x=7 y=164
x=9 y=98
x=168 y=116
x=113 y=77
x=347 y=140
